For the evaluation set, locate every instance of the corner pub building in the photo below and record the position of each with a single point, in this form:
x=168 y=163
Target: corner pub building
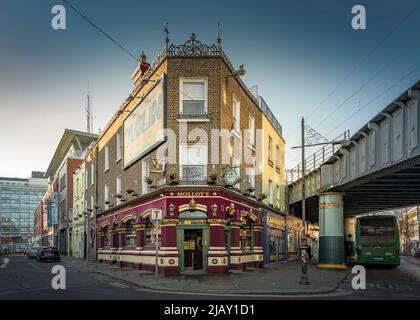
x=210 y=223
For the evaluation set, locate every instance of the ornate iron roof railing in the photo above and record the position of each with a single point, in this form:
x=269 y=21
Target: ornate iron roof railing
x=314 y=161
x=264 y=108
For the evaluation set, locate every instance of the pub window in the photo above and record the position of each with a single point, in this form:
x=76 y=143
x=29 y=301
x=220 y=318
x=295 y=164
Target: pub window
x=106 y=236
x=193 y=97
x=130 y=233
x=150 y=233
x=247 y=236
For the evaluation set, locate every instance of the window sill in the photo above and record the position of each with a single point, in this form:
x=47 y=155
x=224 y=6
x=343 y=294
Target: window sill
x=271 y=163
x=106 y=170
x=118 y=160
x=236 y=134
x=183 y=120
x=278 y=169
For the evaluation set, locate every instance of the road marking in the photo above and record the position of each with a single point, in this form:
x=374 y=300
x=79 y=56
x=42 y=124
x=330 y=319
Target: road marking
x=5 y=263
x=316 y=295
x=117 y=284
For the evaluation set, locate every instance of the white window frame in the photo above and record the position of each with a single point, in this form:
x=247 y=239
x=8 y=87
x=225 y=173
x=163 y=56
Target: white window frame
x=236 y=164
x=106 y=195
x=278 y=196
x=183 y=80
x=251 y=130
x=251 y=176
x=186 y=145
x=86 y=179
x=270 y=192
x=106 y=158
x=92 y=174
x=118 y=189
x=92 y=203
x=145 y=171
x=277 y=156
x=119 y=146
x=236 y=115
x=270 y=148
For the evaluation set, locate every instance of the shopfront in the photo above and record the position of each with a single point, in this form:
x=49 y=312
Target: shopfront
x=274 y=241
x=210 y=230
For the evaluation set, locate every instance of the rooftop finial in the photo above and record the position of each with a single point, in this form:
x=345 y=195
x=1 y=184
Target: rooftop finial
x=219 y=39
x=167 y=35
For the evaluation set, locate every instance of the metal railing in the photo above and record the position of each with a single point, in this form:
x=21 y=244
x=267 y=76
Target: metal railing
x=314 y=161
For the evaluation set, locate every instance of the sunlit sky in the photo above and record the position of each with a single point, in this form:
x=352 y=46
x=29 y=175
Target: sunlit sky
x=304 y=56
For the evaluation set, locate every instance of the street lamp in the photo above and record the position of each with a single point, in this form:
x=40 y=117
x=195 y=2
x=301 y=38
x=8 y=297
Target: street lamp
x=310 y=137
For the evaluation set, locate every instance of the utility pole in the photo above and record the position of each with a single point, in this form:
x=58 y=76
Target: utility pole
x=307 y=141
x=304 y=246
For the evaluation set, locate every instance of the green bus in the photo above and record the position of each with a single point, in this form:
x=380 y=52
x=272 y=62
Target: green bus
x=377 y=240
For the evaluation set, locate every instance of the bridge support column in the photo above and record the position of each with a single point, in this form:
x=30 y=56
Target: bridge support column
x=331 y=233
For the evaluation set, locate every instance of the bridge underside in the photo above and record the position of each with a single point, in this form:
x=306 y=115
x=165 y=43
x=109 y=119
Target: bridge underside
x=393 y=187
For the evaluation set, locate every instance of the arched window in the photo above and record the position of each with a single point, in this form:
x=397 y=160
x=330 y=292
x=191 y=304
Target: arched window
x=130 y=233
x=106 y=236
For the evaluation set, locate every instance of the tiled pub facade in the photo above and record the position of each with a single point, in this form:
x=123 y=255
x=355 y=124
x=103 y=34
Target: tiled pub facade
x=207 y=226
x=230 y=227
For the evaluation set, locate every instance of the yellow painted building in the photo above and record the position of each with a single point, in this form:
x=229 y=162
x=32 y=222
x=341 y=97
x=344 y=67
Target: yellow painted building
x=273 y=180
x=78 y=222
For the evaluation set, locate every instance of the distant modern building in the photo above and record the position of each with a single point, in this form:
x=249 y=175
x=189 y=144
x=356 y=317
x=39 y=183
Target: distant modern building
x=19 y=198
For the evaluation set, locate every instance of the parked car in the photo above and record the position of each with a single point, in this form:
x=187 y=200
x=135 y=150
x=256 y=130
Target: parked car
x=33 y=252
x=417 y=253
x=48 y=253
x=6 y=251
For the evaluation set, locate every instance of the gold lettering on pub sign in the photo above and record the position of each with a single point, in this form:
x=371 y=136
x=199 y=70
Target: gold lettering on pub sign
x=275 y=222
x=192 y=194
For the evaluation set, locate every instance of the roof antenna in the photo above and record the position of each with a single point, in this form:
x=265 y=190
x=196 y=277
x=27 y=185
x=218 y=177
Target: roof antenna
x=219 y=39
x=166 y=29
x=89 y=118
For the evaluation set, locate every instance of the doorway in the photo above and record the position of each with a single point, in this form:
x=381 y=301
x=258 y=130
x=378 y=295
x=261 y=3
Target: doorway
x=193 y=249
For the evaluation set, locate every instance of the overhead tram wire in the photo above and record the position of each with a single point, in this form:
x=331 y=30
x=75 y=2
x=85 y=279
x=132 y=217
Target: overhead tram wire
x=361 y=62
x=100 y=30
x=375 y=98
x=365 y=58
x=330 y=114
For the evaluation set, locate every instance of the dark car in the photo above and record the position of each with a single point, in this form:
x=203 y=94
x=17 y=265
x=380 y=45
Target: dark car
x=417 y=253
x=48 y=254
x=6 y=251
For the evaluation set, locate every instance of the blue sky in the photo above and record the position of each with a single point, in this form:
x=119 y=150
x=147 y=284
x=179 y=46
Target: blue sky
x=297 y=52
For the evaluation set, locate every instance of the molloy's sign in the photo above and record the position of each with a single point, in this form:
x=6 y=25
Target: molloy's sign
x=275 y=222
x=143 y=128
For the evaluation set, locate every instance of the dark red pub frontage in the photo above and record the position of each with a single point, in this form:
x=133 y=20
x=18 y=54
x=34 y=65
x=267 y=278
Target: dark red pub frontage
x=211 y=229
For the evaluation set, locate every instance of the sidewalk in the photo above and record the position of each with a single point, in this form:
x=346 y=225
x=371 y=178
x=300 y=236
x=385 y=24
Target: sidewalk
x=278 y=279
